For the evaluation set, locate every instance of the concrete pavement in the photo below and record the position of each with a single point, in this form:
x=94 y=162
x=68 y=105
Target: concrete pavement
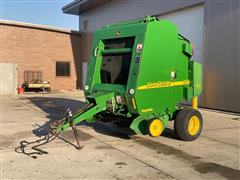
x=111 y=152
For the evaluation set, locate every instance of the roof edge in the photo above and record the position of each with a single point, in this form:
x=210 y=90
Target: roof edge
x=72 y=5
x=37 y=26
x=78 y=7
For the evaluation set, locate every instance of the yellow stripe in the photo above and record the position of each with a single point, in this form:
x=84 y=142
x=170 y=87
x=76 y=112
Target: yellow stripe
x=147 y=110
x=163 y=84
x=134 y=103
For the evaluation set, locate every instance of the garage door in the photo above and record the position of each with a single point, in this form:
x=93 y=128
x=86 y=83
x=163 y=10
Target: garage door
x=190 y=24
x=8 y=79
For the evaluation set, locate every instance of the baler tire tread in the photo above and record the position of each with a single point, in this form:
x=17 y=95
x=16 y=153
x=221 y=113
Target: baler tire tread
x=181 y=124
x=177 y=127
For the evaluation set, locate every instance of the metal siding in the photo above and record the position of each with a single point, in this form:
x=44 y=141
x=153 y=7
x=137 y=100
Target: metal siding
x=221 y=56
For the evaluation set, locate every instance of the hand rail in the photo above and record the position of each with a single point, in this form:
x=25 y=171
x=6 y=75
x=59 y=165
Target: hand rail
x=116 y=51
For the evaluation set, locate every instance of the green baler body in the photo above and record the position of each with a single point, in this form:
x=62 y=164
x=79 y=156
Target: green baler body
x=153 y=76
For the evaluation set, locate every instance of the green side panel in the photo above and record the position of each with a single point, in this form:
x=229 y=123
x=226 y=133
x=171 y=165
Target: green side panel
x=196 y=77
x=188 y=93
x=162 y=54
x=118 y=89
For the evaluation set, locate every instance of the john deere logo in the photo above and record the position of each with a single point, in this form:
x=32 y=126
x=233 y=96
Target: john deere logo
x=162 y=84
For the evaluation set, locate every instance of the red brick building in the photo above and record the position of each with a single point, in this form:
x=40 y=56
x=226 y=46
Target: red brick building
x=54 y=52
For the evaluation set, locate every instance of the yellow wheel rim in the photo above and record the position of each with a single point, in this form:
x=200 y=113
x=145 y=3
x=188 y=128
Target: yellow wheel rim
x=193 y=125
x=156 y=128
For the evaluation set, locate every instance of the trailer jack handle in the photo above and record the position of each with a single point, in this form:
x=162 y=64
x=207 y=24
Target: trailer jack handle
x=79 y=145
x=74 y=129
x=69 y=119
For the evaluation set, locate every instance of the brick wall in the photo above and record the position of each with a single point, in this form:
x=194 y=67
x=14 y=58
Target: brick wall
x=39 y=49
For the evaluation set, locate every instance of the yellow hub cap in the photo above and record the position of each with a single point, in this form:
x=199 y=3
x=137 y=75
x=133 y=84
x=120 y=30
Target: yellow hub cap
x=193 y=125
x=156 y=128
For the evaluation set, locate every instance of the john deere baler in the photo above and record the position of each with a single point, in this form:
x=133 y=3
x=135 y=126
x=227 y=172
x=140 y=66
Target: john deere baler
x=140 y=72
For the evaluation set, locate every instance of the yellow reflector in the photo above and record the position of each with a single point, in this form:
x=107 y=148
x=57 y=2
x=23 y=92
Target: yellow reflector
x=134 y=103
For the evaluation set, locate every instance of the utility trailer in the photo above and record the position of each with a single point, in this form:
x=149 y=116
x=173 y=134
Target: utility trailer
x=34 y=80
x=140 y=72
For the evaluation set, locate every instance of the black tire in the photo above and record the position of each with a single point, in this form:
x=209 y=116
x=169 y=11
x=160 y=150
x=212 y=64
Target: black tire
x=182 y=121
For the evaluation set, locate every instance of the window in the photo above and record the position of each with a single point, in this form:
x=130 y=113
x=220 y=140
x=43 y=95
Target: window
x=62 y=68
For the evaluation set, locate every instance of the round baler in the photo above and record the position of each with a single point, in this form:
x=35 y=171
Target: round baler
x=140 y=72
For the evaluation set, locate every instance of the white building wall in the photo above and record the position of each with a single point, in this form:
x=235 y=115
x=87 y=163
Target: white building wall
x=120 y=10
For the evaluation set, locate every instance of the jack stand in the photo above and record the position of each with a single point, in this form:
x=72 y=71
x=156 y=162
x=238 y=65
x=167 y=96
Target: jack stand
x=72 y=125
x=79 y=146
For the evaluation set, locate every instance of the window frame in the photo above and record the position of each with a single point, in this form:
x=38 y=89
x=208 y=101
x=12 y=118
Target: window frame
x=62 y=76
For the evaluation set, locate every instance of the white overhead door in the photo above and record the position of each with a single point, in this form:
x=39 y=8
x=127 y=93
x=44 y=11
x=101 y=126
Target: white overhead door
x=190 y=25
x=8 y=79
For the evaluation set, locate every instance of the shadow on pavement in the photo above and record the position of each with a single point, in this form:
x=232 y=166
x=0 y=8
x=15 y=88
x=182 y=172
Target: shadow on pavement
x=169 y=133
x=55 y=109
